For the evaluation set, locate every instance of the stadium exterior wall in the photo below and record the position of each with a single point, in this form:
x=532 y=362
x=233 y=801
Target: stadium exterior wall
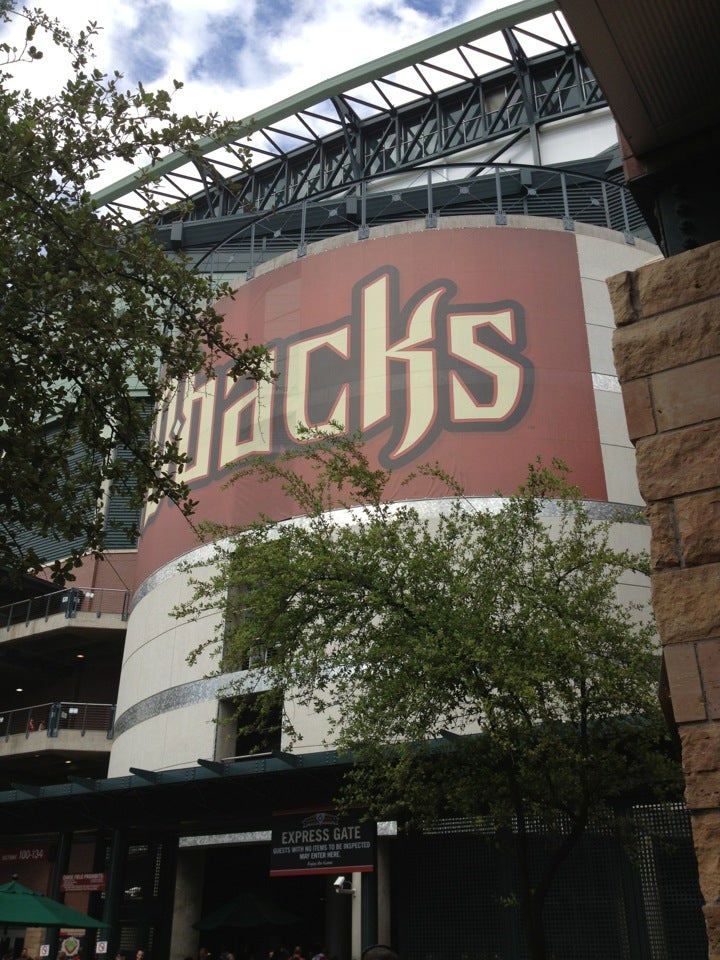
x=477 y=345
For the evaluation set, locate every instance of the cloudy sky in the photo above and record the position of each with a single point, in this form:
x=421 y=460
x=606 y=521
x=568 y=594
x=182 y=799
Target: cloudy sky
x=237 y=56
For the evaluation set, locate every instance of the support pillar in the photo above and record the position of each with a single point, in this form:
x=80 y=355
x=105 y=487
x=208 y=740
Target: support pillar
x=113 y=890
x=369 y=911
x=187 y=904
x=384 y=917
x=667 y=354
x=62 y=861
x=356 y=945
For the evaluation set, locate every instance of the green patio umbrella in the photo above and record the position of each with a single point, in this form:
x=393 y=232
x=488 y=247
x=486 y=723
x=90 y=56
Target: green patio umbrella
x=247 y=910
x=24 y=907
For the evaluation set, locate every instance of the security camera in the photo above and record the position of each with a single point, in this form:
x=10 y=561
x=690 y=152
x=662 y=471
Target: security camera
x=343 y=885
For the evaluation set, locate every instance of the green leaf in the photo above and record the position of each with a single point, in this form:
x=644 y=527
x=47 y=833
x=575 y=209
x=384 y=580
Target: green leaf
x=94 y=289
x=476 y=664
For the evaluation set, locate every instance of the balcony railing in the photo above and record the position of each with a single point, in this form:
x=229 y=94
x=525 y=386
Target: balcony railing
x=48 y=719
x=499 y=190
x=101 y=601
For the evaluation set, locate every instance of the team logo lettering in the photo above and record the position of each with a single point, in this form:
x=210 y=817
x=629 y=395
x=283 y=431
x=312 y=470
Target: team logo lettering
x=411 y=371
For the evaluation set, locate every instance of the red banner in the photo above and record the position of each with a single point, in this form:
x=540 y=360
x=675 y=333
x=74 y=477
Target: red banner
x=83 y=882
x=468 y=347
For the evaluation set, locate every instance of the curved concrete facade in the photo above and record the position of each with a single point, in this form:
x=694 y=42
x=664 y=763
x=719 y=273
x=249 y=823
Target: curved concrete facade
x=478 y=345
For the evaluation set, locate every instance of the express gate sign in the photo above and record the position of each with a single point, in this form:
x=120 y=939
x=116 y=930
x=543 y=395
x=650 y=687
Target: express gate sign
x=321 y=842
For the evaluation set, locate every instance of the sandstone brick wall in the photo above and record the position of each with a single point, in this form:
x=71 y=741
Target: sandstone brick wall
x=667 y=354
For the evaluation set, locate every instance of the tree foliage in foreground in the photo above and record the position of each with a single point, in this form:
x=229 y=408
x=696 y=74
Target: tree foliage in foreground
x=503 y=626
x=92 y=309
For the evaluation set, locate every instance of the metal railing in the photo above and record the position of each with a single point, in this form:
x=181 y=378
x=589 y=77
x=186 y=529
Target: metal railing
x=48 y=719
x=498 y=190
x=102 y=601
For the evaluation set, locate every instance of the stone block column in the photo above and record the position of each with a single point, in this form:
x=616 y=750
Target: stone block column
x=667 y=353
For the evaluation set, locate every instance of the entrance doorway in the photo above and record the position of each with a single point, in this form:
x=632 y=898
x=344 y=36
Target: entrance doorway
x=293 y=911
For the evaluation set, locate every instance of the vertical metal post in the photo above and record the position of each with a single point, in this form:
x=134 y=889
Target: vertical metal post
x=113 y=889
x=383 y=899
x=567 y=219
x=364 y=229
x=369 y=910
x=626 y=222
x=249 y=273
x=431 y=218
x=62 y=862
x=356 y=911
x=62 y=859
x=606 y=206
x=53 y=719
x=302 y=246
x=500 y=217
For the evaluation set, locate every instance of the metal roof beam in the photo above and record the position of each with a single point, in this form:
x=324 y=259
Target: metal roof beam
x=391 y=63
x=214 y=766
x=152 y=776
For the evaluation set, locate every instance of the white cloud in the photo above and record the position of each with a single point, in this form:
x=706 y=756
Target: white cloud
x=236 y=56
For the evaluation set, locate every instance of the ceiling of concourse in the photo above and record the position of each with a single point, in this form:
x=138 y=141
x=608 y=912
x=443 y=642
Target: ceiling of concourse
x=657 y=63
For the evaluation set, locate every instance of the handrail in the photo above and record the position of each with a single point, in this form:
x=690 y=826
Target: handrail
x=51 y=718
x=443 y=188
x=102 y=601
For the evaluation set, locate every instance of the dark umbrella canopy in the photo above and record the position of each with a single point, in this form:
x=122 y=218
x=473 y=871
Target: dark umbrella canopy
x=24 y=907
x=247 y=910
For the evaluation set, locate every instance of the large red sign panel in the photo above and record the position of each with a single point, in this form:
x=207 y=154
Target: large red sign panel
x=466 y=347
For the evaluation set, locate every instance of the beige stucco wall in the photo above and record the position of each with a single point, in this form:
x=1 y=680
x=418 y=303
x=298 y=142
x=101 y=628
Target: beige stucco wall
x=167 y=711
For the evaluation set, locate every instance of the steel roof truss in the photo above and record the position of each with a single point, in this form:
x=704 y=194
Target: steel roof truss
x=352 y=98
x=569 y=68
x=291 y=135
x=382 y=144
x=429 y=120
x=305 y=172
x=213 y=185
x=261 y=203
x=327 y=118
x=460 y=124
x=450 y=73
x=337 y=168
x=279 y=152
x=492 y=54
x=350 y=130
x=429 y=89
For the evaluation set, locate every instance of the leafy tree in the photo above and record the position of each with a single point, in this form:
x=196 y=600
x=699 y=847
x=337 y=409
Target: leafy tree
x=480 y=662
x=98 y=321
